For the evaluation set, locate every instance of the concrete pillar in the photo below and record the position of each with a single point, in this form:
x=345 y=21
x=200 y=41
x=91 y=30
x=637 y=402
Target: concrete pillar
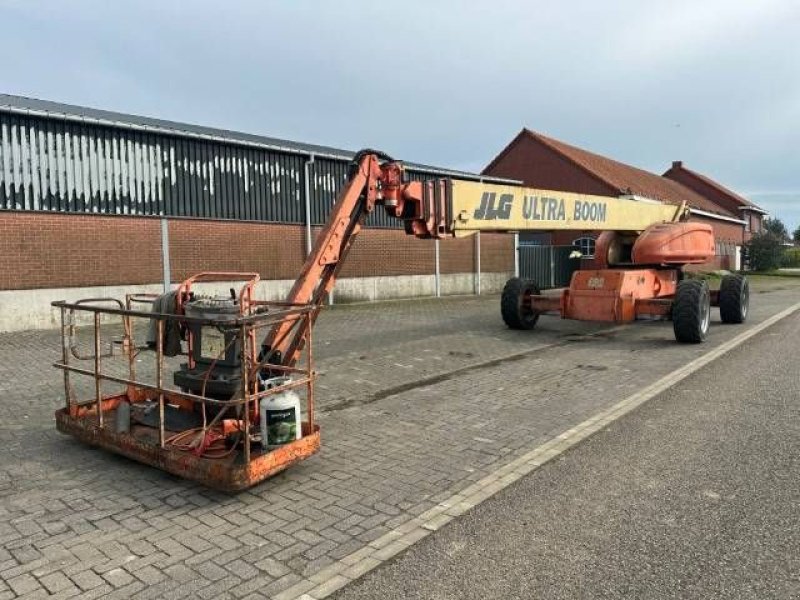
x=478 y=263
x=307 y=194
x=165 y=266
x=437 y=272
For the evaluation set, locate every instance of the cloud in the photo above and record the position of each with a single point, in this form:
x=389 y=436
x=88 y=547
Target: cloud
x=713 y=83
x=782 y=205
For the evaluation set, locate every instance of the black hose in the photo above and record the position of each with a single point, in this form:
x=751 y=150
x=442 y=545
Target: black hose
x=356 y=162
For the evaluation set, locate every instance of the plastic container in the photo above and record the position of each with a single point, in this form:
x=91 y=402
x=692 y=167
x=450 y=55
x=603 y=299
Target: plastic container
x=123 y=418
x=280 y=415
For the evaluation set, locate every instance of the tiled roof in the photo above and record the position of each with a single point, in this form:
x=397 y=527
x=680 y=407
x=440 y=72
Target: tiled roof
x=741 y=200
x=628 y=179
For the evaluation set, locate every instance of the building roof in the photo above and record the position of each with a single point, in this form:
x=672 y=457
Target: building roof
x=69 y=112
x=625 y=179
x=744 y=203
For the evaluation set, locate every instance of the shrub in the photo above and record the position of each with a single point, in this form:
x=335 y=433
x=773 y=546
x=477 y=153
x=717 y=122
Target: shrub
x=791 y=258
x=765 y=251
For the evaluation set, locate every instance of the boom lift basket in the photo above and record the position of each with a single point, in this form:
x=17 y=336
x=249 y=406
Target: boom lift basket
x=196 y=435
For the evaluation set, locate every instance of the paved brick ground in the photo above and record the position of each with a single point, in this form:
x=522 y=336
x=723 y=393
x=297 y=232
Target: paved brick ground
x=418 y=399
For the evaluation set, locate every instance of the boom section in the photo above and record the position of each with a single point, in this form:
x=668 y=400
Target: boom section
x=476 y=206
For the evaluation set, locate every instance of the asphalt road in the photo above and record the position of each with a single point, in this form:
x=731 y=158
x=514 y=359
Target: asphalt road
x=694 y=495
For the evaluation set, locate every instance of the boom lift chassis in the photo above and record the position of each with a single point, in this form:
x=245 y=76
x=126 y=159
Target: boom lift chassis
x=649 y=284
x=205 y=427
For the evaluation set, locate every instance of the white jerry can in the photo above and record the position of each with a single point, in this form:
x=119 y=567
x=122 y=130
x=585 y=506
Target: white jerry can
x=280 y=415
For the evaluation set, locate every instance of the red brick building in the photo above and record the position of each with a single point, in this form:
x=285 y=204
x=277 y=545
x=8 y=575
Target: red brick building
x=751 y=214
x=543 y=162
x=99 y=204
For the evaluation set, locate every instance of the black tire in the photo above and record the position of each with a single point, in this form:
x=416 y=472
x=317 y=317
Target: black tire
x=513 y=305
x=734 y=298
x=691 y=311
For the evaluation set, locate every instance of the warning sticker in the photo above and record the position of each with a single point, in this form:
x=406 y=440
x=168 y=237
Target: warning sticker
x=212 y=343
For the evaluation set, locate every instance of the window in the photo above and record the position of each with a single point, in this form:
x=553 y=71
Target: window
x=585 y=245
x=747 y=220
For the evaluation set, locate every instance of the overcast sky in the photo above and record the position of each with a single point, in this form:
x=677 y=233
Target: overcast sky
x=713 y=83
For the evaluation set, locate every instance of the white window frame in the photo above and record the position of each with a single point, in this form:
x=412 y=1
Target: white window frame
x=583 y=243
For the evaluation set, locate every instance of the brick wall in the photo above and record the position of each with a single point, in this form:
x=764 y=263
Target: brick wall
x=43 y=250
x=272 y=250
x=565 y=238
x=378 y=252
x=458 y=255
x=497 y=252
x=49 y=250
x=724 y=231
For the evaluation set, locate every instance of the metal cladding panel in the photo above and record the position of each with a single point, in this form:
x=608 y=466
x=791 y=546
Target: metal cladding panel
x=547 y=266
x=63 y=163
x=328 y=177
x=59 y=165
x=52 y=165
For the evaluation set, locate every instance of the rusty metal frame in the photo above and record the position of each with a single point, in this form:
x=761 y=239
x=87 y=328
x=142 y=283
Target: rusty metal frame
x=73 y=346
x=644 y=308
x=91 y=420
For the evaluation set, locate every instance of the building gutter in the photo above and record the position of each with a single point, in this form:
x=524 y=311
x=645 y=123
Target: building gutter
x=754 y=209
x=711 y=215
x=181 y=133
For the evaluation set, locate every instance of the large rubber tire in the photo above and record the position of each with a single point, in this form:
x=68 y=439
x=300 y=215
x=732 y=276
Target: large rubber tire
x=734 y=298
x=513 y=305
x=691 y=311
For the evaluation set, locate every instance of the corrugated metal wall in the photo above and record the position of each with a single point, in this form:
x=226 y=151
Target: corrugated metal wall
x=548 y=266
x=51 y=164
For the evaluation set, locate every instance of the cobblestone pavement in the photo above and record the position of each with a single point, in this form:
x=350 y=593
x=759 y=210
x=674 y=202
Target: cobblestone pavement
x=695 y=495
x=417 y=400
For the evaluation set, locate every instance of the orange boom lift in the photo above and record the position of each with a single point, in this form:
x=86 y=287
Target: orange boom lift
x=246 y=359
x=638 y=277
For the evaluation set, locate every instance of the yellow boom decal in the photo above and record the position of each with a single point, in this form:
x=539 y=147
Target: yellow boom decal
x=486 y=207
